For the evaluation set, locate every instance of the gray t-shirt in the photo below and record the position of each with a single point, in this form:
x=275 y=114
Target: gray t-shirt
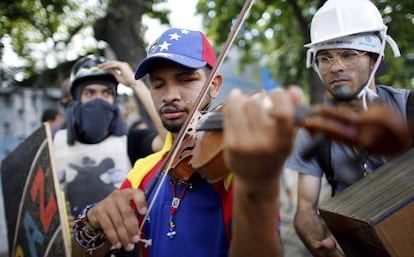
x=349 y=165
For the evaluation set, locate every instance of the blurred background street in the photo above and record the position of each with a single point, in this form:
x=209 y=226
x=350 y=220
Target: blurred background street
x=293 y=247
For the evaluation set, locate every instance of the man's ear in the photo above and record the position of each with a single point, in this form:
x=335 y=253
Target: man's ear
x=216 y=86
x=374 y=58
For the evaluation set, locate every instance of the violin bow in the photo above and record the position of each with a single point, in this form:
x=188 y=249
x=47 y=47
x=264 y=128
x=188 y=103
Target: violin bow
x=167 y=163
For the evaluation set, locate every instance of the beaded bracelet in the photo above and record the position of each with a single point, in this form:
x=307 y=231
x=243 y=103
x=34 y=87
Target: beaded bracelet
x=87 y=236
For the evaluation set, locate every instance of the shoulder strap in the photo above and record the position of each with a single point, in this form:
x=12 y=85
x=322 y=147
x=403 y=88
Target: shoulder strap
x=323 y=157
x=410 y=109
x=410 y=113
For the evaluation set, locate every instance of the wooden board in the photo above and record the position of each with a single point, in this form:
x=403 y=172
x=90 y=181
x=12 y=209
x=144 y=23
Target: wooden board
x=33 y=204
x=374 y=217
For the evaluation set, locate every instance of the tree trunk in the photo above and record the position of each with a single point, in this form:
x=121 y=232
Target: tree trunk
x=120 y=28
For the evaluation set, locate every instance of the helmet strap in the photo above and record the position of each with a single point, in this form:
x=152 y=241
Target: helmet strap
x=363 y=91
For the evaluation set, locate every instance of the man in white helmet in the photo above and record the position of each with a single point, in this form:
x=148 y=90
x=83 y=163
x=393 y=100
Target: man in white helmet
x=346 y=50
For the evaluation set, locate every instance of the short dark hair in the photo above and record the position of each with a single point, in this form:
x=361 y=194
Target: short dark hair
x=49 y=114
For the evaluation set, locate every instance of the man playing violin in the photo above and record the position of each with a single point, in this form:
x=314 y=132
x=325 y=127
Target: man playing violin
x=194 y=217
x=347 y=51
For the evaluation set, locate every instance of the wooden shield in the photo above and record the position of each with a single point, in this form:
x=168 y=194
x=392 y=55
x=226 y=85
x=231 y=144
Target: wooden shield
x=34 y=207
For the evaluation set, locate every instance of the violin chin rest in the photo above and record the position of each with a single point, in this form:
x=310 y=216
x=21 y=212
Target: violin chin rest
x=210 y=121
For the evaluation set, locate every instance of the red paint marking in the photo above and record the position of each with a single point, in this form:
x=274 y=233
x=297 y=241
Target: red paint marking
x=46 y=214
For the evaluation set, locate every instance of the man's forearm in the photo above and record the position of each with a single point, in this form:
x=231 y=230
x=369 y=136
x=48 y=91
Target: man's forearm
x=309 y=228
x=254 y=223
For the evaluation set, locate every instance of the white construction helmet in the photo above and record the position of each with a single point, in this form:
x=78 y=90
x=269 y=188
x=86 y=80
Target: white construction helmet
x=338 y=19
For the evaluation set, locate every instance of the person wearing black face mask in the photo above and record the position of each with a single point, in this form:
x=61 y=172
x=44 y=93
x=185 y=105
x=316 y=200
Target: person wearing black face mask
x=91 y=153
x=94 y=116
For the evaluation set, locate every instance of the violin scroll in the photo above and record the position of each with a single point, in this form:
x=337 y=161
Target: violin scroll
x=379 y=130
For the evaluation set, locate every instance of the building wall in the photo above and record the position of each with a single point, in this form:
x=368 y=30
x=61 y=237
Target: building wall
x=20 y=114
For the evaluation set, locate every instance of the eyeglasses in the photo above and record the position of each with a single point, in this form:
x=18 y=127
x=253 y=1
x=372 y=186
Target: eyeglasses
x=346 y=59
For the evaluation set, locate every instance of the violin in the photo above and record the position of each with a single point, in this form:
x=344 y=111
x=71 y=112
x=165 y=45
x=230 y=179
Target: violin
x=379 y=130
x=202 y=151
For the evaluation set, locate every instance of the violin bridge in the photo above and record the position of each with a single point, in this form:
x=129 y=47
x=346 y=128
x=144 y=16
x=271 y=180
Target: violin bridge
x=193 y=123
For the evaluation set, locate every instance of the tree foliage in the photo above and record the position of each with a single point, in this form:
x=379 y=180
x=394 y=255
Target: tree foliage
x=275 y=32
x=49 y=32
x=45 y=33
x=41 y=31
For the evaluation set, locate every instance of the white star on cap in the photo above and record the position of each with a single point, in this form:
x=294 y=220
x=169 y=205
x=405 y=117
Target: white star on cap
x=174 y=36
x=185 y=32
x=163 y=54
x=164 y=46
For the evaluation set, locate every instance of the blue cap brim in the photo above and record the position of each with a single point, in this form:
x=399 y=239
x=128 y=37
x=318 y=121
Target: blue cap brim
x=145 y=65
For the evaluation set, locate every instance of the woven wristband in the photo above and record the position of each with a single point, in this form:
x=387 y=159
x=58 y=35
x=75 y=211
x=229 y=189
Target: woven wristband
x=87 y=236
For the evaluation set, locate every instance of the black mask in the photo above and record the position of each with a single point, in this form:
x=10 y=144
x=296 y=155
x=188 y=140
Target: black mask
x=92 y=122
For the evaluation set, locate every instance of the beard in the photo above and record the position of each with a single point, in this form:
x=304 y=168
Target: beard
x=173 y=128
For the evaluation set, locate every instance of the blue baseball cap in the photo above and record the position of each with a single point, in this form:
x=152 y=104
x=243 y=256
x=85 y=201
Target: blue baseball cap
x=186 y=47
